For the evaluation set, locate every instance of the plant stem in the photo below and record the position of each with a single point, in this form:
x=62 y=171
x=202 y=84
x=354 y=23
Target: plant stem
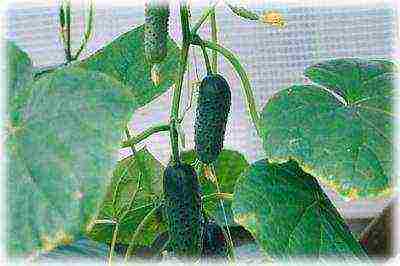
x=174 y=140
x=206 y=60
x=61 y=15
x=88 y=31
x=191 y=88
x=214 y=37
x=132 y=197
x=128 y=136
x=196 y=40
x=123 y=175
x=63 y=29
x=221 y=203
x=113 y=241
x=174 y=116
x=145 y=134
x=203 y=17
x=68 y=31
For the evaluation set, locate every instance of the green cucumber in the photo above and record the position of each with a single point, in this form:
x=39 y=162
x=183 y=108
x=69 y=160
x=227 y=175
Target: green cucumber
x=183 y=210
x=156 y=30
x=215 y=245
x=212 y=112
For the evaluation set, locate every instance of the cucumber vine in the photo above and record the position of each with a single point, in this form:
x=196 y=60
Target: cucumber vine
x=191 y=38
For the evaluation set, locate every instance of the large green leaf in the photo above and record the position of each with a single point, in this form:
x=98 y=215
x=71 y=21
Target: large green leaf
x=19 y=70
x=289 y=214
x=124 y=59
x=228 y=167
x=19 y=75
x=342 y=132
x=144 y=170
x=60 y=154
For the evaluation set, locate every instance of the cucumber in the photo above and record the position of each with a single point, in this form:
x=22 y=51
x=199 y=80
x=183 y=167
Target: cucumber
x=156 y=30
x=183 y=210
x=212 y=112
x=215 y=245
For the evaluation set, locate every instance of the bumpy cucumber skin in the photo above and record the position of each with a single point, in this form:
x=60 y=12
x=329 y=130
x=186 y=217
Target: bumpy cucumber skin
x=183 y=210
x=156 y=30
x=215 y=246
x=212 y=112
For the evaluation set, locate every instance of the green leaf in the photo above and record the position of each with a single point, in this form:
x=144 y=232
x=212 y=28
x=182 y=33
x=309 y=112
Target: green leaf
x=19 y=74
x=60 y=154
x=19 y=70
x=144 y=170
x=124 y=59
x=340 y=133
x=228 y=167
x=352 y=78
x=243 y=12
x=288 y=213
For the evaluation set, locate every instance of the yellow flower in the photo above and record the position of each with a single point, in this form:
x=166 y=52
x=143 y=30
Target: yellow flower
x=274 y=18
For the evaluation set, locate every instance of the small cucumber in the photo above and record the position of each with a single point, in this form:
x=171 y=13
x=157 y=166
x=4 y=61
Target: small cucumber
x=212 y=112
x=156 y=30
x=183 y=210
x=215 y=246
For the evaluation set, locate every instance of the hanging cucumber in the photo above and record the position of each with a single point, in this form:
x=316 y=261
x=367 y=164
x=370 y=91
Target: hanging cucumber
x=156 y=30
x=183 y=210
x=215 y=246
x=212 y=112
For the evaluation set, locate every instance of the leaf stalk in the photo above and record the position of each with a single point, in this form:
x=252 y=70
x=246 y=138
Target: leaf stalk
x=145 y=134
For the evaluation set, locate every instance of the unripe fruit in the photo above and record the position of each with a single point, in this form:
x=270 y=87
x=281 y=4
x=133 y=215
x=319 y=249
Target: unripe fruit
x=183 y=210
x=212 y=112
x=156 y=30
x=215 y=246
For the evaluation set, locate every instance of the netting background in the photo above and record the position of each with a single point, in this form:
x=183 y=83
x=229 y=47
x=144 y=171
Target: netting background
x=273 y=58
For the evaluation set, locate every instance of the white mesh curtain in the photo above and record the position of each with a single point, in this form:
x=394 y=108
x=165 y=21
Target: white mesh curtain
x=274 y=58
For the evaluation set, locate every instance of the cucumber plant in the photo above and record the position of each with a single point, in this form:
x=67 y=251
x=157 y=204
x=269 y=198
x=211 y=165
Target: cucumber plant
x=336 y=130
